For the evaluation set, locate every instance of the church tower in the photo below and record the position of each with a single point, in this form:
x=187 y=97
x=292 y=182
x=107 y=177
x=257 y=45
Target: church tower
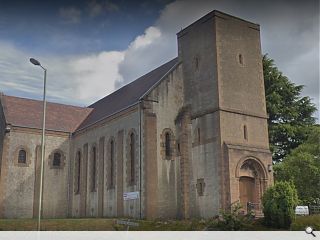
x=229 y=160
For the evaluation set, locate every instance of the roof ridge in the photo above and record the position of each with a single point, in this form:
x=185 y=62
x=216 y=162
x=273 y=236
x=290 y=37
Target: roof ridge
x=132 y=82
x=35 y=100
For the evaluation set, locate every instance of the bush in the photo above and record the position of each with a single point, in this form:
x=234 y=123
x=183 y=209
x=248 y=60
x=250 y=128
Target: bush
x=232 y=220
x=279 y=202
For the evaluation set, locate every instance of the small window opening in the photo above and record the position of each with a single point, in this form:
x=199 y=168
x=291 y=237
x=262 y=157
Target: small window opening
x=167 y=145
x=241 y=59
x=22 y=158
x=196 y=63
x=56 y=159
x=245 y=132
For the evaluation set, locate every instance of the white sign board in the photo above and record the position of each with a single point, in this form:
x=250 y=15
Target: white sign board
x=123 y=222
x=302 y=210
x=130 y=195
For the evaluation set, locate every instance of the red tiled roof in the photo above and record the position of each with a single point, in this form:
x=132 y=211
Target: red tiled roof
x=28 y=113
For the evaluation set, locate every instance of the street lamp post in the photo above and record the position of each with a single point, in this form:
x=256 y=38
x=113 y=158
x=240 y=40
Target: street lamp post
x=37 y=63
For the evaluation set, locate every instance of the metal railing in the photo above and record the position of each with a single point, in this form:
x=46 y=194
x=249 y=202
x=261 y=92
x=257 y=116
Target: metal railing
x=314 y=209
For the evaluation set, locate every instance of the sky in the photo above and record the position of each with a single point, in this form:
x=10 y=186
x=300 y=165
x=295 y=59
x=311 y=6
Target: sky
x=93 y=47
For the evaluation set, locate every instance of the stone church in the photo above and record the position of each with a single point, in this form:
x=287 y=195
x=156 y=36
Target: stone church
x=186 y=139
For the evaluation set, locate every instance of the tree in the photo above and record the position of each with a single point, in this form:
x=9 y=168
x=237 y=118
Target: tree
x=279 y=202
x=302 y=167
x=290 y=114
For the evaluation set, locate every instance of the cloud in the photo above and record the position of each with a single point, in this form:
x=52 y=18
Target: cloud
x=290 y=40
x=70 y=15
x=70 y=79
x=96 y=8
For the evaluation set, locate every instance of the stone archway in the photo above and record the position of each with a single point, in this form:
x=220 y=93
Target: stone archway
x=252 y=183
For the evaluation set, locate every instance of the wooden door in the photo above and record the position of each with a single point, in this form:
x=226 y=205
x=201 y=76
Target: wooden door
x=247 y=188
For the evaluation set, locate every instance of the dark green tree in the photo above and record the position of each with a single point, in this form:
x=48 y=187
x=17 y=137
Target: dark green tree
x=302 y=167
x=279 y=202
x=290 y=114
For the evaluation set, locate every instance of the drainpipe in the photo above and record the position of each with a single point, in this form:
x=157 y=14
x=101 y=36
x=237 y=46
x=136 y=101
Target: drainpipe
x=140 y=158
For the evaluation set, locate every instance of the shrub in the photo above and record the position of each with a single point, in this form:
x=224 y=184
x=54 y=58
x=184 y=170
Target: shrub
x=279 y=202
x=231 y=220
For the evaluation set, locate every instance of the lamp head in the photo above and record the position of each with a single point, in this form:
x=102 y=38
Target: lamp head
x=35 y=62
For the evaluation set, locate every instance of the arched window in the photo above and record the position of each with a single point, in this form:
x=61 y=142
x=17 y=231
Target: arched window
x=78 y=172
x=22 y=157
x=167 y=145
x=56 y=159
x=132 y=158
x=112 y=163
x=93 y=169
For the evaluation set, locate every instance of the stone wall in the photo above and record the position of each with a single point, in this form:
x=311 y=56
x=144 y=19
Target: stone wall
x=169 y=101
x=107 y=199
x=19 y=180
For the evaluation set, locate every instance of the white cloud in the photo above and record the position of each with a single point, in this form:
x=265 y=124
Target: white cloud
x=70 y=15
x=75 y=80
x=95 y=75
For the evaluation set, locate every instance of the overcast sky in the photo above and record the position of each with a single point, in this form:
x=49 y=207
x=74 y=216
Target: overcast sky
x=93 y=47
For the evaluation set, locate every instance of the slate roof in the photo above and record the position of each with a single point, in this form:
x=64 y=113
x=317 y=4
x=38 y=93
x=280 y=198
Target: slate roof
x=59 y=117
x=127 y=95
x=28 y=113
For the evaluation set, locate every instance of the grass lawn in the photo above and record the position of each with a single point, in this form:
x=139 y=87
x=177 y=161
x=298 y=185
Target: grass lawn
x=108 y=224
x=86 y=224
x=301 y=222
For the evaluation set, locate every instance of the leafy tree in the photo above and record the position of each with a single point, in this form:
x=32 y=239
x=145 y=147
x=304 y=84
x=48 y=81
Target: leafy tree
x=279 y=202
x=302 y=166
x=290 y=114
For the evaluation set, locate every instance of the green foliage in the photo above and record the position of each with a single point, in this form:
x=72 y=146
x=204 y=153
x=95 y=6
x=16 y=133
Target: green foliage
x=279 y=202
x=231 y=220
x=302 y=167
x=290 y=114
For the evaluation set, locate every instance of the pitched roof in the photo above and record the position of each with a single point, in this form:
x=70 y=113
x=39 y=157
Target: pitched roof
x=28 y=113
x=127 y=95
x=59 y=117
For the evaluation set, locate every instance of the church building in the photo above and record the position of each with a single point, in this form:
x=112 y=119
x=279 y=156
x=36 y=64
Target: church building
x=183 y=141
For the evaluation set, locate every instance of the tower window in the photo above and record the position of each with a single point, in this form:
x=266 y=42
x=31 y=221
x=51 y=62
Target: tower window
x=245 y=132
x=22 y=157
x=240 y=59
x=196 y=63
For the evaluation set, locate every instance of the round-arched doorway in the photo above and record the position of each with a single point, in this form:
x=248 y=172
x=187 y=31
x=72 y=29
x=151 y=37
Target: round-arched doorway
x=252 y=183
